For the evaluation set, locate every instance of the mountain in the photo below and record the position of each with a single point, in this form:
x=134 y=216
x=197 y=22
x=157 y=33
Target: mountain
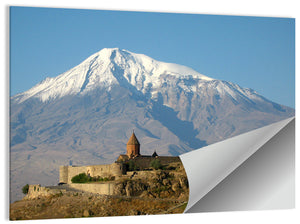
x=86 y=115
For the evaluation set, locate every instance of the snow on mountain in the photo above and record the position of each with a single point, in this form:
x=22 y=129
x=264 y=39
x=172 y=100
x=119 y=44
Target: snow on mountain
x=108 y=67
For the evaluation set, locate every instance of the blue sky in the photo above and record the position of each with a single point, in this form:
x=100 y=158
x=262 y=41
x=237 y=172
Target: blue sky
x=254 y=52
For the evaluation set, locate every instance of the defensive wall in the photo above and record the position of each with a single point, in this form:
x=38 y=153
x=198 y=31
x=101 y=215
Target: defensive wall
x=97 y=188
x=143 y=162
x=36 y=191
x=116 y=169
x=107 y=170
x=104 y=188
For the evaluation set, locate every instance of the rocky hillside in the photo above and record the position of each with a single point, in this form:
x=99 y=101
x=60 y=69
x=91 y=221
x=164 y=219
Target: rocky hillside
x=91 y=205
x=144 y=193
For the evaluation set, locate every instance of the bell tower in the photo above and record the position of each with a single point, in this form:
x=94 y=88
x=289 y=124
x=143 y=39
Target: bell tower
x=133 y=146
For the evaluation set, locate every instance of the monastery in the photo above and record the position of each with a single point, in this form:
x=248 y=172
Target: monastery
x=119 y=167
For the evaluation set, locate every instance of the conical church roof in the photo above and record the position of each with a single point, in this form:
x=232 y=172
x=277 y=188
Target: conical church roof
x=133 y=140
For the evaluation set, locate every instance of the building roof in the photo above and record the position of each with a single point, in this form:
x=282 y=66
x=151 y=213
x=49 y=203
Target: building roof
x=133 y=140
x=122 y=157
x=154 y=154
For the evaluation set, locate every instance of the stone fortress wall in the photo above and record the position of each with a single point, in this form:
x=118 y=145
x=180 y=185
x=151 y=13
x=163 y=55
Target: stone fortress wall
x=107 y=170
x=116 y=169
x=37 y=191
x=144 y=162
x=96 y=188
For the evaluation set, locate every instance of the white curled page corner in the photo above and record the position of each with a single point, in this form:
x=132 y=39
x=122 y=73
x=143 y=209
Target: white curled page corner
x=208 y=166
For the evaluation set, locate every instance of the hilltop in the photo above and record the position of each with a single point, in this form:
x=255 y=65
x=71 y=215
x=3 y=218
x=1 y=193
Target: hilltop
x=154 y=192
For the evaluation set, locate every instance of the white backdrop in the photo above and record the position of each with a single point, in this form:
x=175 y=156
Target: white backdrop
x=274 y=8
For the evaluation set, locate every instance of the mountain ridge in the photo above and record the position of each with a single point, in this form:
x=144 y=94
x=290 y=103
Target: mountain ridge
x=105 y=62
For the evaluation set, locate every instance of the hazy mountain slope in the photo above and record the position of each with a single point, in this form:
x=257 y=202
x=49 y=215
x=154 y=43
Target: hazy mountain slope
x=86 y=115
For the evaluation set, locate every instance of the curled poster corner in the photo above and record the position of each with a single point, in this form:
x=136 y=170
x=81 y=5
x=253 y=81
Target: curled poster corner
x=208 y=166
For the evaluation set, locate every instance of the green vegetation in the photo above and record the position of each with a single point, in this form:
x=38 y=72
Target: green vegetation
x=25 y=189
x=83 y=178
x=132 y=166
x=156 y=164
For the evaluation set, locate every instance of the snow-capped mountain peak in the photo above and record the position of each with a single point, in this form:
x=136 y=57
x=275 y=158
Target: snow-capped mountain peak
x=108 y=67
